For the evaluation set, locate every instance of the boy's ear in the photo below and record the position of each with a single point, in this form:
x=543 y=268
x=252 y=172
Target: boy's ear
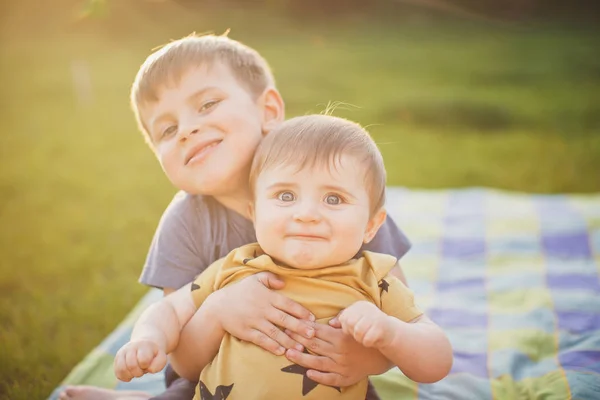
x=273 y=110
x=374 y=224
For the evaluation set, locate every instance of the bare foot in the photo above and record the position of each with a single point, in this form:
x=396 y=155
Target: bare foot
x=96 y=393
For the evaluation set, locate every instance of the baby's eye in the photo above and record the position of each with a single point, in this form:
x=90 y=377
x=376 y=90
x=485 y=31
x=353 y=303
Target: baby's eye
x=286 y=196
x=169 y=130
x=208 y=104
x=333 y=200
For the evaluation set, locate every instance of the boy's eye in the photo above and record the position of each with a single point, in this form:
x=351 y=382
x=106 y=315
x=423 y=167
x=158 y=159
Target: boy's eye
x=286 y=196
x=208 y=104
x=333 y=200
x=169 y=130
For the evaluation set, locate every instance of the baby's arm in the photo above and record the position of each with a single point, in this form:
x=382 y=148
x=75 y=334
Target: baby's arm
x=159 y=329
x=155 y=334
x=418 y=347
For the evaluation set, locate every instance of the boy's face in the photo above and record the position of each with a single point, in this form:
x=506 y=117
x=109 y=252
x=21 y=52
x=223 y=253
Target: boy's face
x=314 y=217
x=205 y=130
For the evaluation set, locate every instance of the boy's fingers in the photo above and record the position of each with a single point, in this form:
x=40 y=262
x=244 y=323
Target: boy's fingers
x=307 y=360
x=264 y=341
x=326 y=378
x=291 y=307
x=270 y=280
x=159 y=362
x=328 y=333
x=291 y=323
x=318 y=346
x=274 y=333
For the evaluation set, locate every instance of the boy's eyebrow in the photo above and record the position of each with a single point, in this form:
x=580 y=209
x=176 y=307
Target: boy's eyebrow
x=199 y=93
x=158 y=119
x=191 y=98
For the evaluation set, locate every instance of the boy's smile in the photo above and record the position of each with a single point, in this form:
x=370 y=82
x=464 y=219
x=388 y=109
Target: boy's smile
x=201 y=151
x=205 y=128
x=313 y=217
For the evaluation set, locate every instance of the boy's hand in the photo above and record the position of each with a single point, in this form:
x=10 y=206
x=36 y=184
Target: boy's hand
x=138 y=358
x=338 y=359
x=249 y=310
x=367 y=324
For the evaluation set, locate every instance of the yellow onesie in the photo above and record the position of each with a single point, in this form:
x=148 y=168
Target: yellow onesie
x=245 y=371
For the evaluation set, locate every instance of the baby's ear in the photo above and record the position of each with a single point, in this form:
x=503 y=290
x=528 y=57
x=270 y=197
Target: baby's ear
x=273 y=110
x=374 y=224
x=251 y=211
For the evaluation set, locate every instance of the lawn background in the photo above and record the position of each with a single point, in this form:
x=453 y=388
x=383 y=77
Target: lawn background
x=454 y=101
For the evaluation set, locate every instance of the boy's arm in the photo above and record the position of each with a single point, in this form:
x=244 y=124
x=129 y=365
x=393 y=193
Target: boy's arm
x=175 y=257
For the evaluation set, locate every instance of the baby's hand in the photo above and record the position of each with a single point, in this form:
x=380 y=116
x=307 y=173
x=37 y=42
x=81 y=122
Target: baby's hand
x=367 y=324
x=138 y=358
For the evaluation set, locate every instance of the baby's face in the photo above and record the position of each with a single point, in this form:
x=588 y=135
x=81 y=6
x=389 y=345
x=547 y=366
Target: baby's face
x=314 y=217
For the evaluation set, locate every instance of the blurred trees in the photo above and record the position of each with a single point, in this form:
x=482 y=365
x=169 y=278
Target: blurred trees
x=494 y=9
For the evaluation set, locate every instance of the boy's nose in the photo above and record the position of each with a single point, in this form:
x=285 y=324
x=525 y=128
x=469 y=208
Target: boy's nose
x=189 y=124
x=185 y=133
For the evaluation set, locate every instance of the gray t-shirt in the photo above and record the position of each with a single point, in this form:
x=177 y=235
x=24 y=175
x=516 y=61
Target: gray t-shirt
x=195 y=231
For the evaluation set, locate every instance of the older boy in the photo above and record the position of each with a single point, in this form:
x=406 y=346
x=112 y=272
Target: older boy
x=203 y=105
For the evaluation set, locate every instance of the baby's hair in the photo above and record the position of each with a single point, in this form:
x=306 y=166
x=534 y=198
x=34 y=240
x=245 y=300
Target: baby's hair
x=313 y=140
x=169 y=63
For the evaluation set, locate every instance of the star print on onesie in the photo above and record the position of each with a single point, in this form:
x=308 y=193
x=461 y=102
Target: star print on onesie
x=307 y=383
x=257 y=374
x=221 y=392
x=384 y=285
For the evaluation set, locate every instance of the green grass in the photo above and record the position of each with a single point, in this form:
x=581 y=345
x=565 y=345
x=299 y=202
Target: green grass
x=452 y=104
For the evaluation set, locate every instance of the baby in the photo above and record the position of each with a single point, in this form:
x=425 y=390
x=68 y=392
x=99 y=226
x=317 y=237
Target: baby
x=318 y=184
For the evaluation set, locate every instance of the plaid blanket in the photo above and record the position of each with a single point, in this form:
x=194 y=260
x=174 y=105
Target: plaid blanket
x=512 y=278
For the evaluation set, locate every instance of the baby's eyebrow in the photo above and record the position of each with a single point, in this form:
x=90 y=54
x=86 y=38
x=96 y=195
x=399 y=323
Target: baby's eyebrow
x=335 y=188
x=281 y=185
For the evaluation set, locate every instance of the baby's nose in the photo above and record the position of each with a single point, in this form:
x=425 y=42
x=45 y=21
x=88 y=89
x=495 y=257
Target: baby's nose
x=307 y=212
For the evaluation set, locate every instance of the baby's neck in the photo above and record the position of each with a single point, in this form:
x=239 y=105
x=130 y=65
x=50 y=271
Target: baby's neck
x=300 y=268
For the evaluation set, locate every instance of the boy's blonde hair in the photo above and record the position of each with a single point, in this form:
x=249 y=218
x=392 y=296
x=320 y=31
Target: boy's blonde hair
x=321 y=140
x=167 y=65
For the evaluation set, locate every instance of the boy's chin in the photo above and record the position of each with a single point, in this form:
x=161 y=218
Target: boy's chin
x=205 y=188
